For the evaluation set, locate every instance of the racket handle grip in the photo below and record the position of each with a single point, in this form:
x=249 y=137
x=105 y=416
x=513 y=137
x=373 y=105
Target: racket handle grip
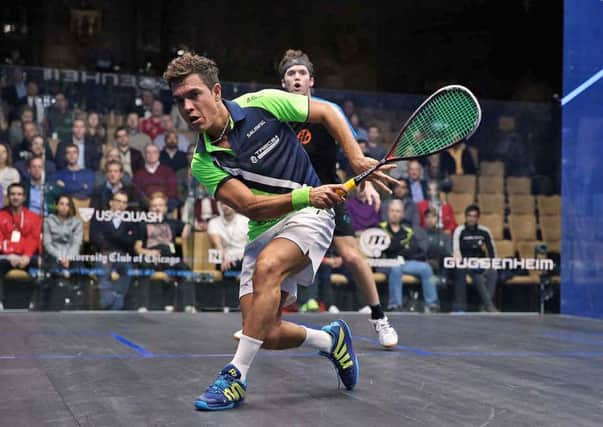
x=349 y=185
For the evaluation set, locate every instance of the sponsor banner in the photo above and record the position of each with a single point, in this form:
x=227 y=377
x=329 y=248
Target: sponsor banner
x=126 y=216
x=115 y=257
x=538 y=264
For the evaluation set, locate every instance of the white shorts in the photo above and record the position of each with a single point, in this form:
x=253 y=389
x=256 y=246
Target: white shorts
x=311 y=229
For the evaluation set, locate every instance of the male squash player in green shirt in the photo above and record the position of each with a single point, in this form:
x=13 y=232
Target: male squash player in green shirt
x=248 y=157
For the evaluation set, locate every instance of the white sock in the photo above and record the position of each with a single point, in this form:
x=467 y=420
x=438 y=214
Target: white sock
x=247 y=349
x=318 y=339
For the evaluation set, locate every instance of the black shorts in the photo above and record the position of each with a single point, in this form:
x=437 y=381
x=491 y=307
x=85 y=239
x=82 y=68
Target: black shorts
x=343 y=222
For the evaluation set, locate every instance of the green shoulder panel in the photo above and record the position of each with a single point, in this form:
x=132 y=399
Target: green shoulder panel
x=206 y=172
x=285 y=106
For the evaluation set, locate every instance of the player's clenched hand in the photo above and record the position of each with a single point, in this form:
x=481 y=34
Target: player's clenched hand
x=327 y=196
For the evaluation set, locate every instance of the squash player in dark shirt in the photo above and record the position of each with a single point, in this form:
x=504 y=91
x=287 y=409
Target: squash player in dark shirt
x=296 y=72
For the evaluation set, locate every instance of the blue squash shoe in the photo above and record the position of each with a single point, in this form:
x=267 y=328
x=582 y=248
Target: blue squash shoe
x=227 y=391
x=342 y=353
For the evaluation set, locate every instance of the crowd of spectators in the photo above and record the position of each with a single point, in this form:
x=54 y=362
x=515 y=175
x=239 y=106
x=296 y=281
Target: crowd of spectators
x=55 y=160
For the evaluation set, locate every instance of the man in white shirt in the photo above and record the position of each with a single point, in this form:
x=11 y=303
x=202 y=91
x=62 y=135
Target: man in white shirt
x=228 y=233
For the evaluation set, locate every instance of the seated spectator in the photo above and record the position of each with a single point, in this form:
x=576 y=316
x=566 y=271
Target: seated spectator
x=60 y=118
x=374 y=147
x=410 y=245
x=228 y=233
x=89 y=153
x=35 y=102
x=20 y=231
x=177 y=119
x=112 y=155
x=156 y=240
x=410 y=210
x=16 y=130
x=23 y=150
x=447 y=220
x=457 y=160
x=171 y=155
x=8 y=174
x=35 y=190
x=152 y=125
x=363 y=214
x=417 y=185
x=3 y=126
x=156 y=178
x=144 y=104
x=472 y=240
x=114 y=236
x=360 y=131
x=39 y=148
x=73 y=180
x=131 y=158
x=114 y=182
x=168 y=125
x=439 y=244
x=95 y=130
x=136 y=138
x=62 y=240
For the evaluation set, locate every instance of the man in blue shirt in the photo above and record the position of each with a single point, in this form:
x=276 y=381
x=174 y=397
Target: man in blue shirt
x=73 y=180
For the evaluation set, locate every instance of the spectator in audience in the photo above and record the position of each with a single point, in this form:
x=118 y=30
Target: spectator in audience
x=114 y=236
x=146 y=104
x=411 y=245
x=410 y=210
x=168 y=125
x=62 y=240
x=89 y=154
x=15 y=93
x=155 y=177
x=8 y=174
x=417 y=185
x=74 y=180
x=36 y=193
x=95 y=130
x=113 y=182
x=374 y=147
x=136 y=138
x=156 y=240
x=363 y=214
x=111 y=155
x=439 y=244
x=23 y=150
x=39 y=148
x=34 y=101
x=3 y=126
x=19 y=235
x=457 y=160
x=16 y=131
x=171 y=155
x=199 y=207
x=131 y=158
x=432 y=168
x=473 y=240
x=360 y=131
x=349 y=108
x=228 y=233
x=60 y=118
x=319 y=295
x=152 y=125
x=446 y=218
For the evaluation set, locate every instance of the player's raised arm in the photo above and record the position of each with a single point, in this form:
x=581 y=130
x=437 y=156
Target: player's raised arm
x=325 y=114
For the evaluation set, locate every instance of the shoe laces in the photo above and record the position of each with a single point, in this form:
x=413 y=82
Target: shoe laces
x=222 y=383
x=382 y=324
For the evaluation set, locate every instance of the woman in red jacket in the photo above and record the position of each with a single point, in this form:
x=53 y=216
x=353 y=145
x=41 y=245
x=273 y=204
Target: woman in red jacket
x=434 y=200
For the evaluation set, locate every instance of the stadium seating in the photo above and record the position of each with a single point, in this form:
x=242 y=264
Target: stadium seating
x=521 y=204
x=491 y=203
x=494 y=222
x=522 y=227
x=463 y=184
x=549 y=205
x=491 y=184
x=519 y=185
x=495 y=168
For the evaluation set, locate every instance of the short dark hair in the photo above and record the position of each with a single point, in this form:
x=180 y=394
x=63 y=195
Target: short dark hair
x=189 y=63
x=72 y=145
x=295 y=57
x=431 y=211
x=122 y=192
x=114 y=162
x=120 y=128
x=13 y=185
x=31 y=159
x=472 y=208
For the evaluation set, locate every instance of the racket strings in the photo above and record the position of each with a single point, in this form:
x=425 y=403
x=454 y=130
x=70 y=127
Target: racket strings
x=443 y=120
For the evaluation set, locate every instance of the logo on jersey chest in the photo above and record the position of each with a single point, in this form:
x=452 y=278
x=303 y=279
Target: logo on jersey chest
x=255 y=129
x=261 y=152
x=304 y=136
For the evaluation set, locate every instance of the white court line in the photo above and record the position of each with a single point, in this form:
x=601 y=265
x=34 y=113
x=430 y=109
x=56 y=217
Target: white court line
x=588 y=83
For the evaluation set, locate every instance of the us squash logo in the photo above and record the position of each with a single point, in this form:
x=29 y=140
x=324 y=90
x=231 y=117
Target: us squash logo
x=305 y=136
